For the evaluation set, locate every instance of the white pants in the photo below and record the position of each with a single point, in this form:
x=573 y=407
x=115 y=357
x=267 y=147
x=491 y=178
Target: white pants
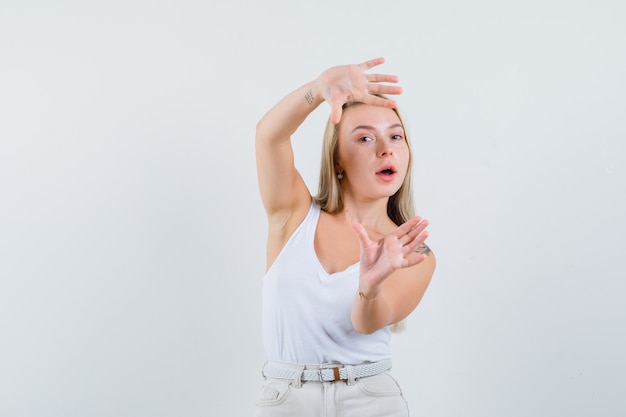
x=373 y=396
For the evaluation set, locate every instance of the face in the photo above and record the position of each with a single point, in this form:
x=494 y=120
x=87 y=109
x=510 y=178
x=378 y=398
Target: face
x=373 y=152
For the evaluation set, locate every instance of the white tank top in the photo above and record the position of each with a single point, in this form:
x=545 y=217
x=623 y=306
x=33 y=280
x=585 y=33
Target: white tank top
x=306 y=311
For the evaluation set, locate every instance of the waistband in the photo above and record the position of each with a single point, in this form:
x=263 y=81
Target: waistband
x=323 y=373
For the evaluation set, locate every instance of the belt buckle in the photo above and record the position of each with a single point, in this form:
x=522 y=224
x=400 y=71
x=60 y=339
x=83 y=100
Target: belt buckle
x=320 y=374
x=336 y=374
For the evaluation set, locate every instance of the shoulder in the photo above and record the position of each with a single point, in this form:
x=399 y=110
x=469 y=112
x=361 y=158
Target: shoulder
x=427 y=266
x=424 y=249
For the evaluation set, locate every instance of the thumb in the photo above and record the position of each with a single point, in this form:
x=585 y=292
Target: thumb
x=361 y=233
x=335 y=114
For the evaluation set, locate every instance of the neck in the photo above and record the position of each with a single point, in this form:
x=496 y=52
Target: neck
x=371 y=214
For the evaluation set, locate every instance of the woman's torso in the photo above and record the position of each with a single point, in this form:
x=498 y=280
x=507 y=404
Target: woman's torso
x=307 y=299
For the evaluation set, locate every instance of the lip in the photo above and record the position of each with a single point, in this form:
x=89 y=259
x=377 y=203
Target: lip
x=380 y=173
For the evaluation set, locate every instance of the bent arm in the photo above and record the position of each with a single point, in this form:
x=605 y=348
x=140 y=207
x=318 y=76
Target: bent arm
x=281 y=186
x=283 y=191
x=397 y=297
x=394 y=274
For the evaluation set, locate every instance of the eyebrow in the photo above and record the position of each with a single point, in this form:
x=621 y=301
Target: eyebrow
x=366 y=127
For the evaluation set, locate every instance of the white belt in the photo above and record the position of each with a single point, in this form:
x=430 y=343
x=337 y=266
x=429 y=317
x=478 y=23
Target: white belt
x=326 y=374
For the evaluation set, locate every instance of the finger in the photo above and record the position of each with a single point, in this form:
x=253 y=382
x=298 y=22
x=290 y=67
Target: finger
x=371 y=63
x=415 y=243
x=404 y=239
x=407 y=263
x=335 y=114
x=384 y=89
x=382 y=78
x=407 y=226
x=411 y=244
x=380 y=101
x=414 y=237
x=361 y=233
x=418 y=228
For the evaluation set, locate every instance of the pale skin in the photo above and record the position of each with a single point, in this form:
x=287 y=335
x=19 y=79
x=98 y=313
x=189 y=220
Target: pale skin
x=393 y=274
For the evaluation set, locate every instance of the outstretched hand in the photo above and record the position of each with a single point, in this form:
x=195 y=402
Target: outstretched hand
x=349 y=83
x=381 y=258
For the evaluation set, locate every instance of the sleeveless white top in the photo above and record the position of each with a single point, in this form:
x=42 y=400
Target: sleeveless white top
x=306 y=311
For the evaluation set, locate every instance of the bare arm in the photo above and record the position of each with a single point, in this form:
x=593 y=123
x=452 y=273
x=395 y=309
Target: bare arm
x=283 y=191
x=395 y=272
x=282 y=188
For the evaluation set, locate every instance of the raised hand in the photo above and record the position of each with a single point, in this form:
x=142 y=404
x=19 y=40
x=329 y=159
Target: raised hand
x=379 y=259
x=349 y=83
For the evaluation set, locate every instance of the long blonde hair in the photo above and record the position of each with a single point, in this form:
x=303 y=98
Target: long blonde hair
x=400 y=206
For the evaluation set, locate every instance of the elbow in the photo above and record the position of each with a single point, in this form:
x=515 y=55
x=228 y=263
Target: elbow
x=266 y=133
x=365 y=331
x=364 y=328
x=260 y=128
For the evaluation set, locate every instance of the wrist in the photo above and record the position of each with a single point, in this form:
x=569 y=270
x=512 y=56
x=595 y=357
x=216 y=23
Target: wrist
x=312 y=96
x=368 y=294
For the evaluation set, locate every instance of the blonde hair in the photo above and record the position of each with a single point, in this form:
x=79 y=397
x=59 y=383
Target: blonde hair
x=399 y=206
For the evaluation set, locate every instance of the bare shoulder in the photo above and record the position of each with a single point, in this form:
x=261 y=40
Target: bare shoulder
x=424 y=249
x=427 y=266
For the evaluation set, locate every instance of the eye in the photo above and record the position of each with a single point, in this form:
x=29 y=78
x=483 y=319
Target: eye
x=397 y=137
x=365 y=139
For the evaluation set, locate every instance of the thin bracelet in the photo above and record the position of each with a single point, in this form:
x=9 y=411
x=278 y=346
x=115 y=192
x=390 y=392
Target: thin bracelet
x=362 y=297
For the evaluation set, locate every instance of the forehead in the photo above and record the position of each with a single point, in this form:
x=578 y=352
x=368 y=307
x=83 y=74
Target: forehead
x=367 y=115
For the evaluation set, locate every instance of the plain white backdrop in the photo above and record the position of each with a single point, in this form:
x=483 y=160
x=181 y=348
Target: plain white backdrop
x=132 y=234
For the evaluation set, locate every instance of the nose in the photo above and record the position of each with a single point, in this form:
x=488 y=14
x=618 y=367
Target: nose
x=384 y=149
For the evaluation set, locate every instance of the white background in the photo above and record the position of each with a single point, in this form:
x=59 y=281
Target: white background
x=132 y=235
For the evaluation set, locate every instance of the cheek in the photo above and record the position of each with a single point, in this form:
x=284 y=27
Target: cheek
x=405 y=161
x=403 y=153
x=352 y=158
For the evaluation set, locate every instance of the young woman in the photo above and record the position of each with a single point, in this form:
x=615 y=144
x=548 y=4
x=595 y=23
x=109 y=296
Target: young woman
x=345 y=265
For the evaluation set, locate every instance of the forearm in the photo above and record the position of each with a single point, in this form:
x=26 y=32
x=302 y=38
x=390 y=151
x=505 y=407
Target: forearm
x=370 y=312
x=282 y=120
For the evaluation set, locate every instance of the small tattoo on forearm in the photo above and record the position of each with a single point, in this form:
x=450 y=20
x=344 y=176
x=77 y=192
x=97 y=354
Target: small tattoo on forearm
x=309 y=97
x=423 y=249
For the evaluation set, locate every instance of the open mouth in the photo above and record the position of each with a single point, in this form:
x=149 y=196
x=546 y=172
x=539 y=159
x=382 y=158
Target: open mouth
x=386 y=171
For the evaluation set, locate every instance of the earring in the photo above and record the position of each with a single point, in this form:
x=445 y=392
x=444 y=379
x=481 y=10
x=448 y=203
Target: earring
x=340 y=176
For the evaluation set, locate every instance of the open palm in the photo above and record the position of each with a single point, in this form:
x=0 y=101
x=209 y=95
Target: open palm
x=380 y=258
x=349 y=83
